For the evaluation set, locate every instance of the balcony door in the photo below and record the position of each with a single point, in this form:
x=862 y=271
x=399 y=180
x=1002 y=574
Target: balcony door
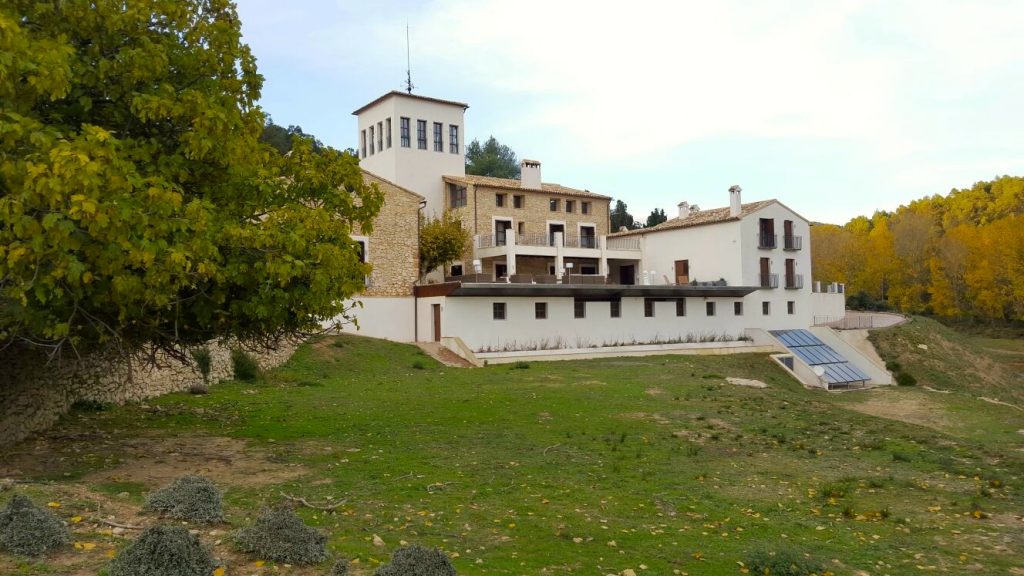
x=501 y=228
x=552 y=228
x=790 y=273
x=765 y=271
x=588 y=237
x=682 y=271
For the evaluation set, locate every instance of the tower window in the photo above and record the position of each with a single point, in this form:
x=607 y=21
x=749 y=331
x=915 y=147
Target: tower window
x=453 y=139
x=380 y=136
x=404 y=126
x=438 y=143
x=371 y=140
x=421 y=134
x=388 y=124
x=362 y=147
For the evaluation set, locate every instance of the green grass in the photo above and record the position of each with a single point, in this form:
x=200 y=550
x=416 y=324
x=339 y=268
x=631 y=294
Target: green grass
x=597 y=466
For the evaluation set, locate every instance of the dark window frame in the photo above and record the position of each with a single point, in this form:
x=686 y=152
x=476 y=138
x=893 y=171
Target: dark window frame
x=380 y=136
x=457 y=196
x=372 y=141
x=388 y=124
x=438 y=137
x=648 y=308
x=709 y=309
x=499 y=311
x=737 y=308
x=554 y=204
x=363 y=143
x=615 y=308
x=453 y=138
x=579 y=309
x=766 y=308
x=681 y=307
x=405 y=127
x=791 y=307
x=570 y=206
x=518 y=200
x=540 y=310
x=499 y=200
x=421 y=134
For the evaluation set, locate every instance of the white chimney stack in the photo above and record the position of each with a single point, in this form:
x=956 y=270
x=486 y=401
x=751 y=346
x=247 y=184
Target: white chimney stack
x=529 y=174
x=735 y=205
x=684 y=209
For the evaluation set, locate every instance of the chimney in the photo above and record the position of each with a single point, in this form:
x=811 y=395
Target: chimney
x=684 y=209
x=529 y=174
x=734 y=201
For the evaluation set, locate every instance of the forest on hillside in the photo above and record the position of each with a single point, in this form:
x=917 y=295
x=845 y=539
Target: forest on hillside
x=959 y=255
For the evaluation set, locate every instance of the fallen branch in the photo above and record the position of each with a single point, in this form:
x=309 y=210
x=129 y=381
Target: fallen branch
x=116 y=524
x=307 y=504
x=550 y=447
x=437 y=486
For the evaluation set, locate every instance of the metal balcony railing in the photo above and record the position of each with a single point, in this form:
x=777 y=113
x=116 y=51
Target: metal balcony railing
x=580 y=242
x=533 y=240
x=794 y=281
x=792 y=242
x=766 y=240
x=769 y=280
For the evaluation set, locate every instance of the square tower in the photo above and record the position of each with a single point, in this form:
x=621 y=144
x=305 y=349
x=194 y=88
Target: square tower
x=413 y=141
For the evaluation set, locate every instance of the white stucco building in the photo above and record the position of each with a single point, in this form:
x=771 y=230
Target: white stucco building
x=546 y=273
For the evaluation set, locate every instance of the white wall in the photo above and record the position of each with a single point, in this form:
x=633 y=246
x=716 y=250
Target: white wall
x=830 y=305
x=382 y=317
x=471 y=319
x=713 y=251
x=878 y=374
x=751 y=267
x=424 y=315
x=412 y=168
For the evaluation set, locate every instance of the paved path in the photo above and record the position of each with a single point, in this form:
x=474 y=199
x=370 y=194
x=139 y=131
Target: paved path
x=444 y=355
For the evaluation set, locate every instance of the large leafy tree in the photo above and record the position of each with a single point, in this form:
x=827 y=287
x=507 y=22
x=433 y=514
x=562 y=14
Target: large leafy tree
x=491 y=159
x=138 y=207
x=620 y=217
x=281 y=138
x=442 y=241
x=657 y=216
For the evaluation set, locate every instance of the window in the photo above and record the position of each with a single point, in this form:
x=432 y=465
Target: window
x=553 y=204
x=499 y=310
x=456 y=196
x=709 y=308
x=791 y=307
x=453 y=139
x=371 y=141
x=380 y=136
x=388 y=124
x=518 y=201
x=363 y=146
x=456 y=270
x=681 y=307
x=361 y=248
x=438 y=142
x=540 y=310
x=499 y=200
x=570 y=205
x=616 y=308
x=404 y=127
x=648 y=308
x=737 y=308
x=421 y=134
x=579 y=309
x=585 y=207
x=766 y=308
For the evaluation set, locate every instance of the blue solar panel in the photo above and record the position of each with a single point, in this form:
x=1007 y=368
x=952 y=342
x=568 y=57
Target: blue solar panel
x=810 y=349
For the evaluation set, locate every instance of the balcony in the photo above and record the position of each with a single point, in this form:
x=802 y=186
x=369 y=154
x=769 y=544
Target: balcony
x=580 y=242
x=535 y=240
x=623 y=243
x=792 y=243
x=769 y=280
x=767 y=240
x=794 y=281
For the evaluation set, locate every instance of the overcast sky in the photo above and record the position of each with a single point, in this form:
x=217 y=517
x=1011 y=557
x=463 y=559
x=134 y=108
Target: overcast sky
x=837 y=108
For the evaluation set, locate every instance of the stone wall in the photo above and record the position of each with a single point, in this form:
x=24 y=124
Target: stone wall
x=393 y=244
x=35 y=394
x=534 y=214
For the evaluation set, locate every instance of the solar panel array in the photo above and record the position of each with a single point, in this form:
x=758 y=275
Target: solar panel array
x=810 y=349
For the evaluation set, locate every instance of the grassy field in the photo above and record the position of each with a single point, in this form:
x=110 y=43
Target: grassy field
x=652 y=464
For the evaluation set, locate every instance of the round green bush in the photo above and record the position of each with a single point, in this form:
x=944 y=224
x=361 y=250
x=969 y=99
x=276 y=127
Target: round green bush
x=28 y=529
x=164 y=551
x=905 y=379
x=783 y=562
x=417 y=561
x=193 y=498
x=279 y=534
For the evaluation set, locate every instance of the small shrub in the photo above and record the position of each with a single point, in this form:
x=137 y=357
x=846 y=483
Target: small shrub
x=164 y=551
x=900 y=457
x=905 y=379
x=832 y=490
x=85 y=405
x=204 y=363
x=192 y=498
x=243 y=365
x=279 y=534
x=893 y=366
x=28 y=529
x=339 y=569
x=520 y=365
x=783 y=562
x=418 y=365
x=417 y=561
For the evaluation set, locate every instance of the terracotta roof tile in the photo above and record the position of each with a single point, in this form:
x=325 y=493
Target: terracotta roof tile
x=700 y=218
x=511 y=184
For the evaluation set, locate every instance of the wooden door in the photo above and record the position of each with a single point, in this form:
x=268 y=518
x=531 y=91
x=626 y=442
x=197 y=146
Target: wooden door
x=682 y=271
x=765 y=271
x=436 y=309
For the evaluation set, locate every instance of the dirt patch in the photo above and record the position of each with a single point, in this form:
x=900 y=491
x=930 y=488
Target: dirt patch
x=654 y=391
x=895 y=405
x=999 y=402
x=225 y=461
x=657 y=418
x=746 y=382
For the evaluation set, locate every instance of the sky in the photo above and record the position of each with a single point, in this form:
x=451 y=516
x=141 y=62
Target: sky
x=837 y=108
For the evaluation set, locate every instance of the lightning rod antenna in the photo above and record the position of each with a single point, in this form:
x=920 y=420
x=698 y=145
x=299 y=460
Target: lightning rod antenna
x=408 y=65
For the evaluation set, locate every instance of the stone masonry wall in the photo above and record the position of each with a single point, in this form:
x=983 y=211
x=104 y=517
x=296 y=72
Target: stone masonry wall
x=534 y=214
x=393 y=244
x=35 y=395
